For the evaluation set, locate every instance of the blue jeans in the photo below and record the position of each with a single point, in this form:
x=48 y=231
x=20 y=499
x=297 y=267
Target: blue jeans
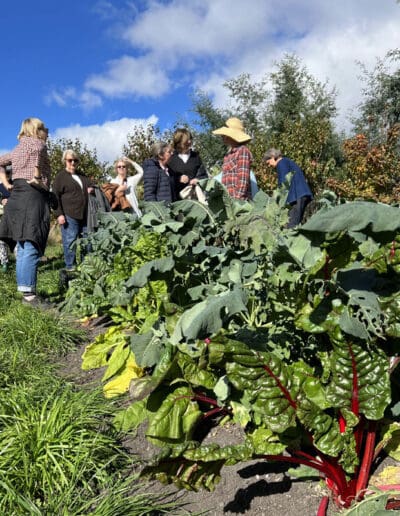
x=70 y=232
x=28 y=257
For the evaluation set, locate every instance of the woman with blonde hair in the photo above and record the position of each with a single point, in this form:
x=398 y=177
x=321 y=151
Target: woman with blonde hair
x=128 y=175
x=26 y=219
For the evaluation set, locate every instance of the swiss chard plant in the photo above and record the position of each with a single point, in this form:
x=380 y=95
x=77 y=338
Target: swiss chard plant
x=291 y=334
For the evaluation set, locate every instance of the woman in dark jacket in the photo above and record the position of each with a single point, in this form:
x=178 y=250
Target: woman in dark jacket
x=185 y=163
x=159 y=182
x=71 y=189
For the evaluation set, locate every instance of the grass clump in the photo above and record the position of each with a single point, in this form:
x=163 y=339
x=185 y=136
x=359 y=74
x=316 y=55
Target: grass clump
x=54 y=443
x=59 y=453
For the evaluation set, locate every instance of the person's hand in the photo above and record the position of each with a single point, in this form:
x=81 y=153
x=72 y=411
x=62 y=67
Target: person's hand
x=8 y=185
x=38 y=181
x=61 y=220
x=4 y=202
x=90 y=189
x=184 y=179
x=193 y=182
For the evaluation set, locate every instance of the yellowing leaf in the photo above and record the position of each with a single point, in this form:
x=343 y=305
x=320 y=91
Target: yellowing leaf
x=120 y=384
x=97 y=353
x=117 y=361
x=389 y=476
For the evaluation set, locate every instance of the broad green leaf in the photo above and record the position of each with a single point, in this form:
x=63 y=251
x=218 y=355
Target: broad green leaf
x=265 y=442
x=391 y=442
x=359 y=379
x=153 y=270
x=208 y=317
x=355 y=216
x=241 y=414
x=147 y=348
x=131 y=417
x=222 y=388
x=175 y=419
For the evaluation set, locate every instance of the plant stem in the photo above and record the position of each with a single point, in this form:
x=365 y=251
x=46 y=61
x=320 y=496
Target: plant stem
x=323 y=506
x=365 y=467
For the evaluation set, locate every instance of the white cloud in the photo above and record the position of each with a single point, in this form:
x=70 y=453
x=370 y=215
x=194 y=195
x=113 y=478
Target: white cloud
x=108 y=139
x=205 y=42
x=200 y=28
x=140 y=76
x=61 y=96
x=329 y=39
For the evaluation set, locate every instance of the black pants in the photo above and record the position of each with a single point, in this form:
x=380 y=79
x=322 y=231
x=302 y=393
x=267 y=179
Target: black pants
x=296 y=211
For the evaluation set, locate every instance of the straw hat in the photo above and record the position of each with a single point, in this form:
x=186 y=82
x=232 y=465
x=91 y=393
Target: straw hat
x=234 y=129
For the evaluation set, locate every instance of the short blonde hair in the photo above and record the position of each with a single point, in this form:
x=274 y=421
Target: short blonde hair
x=33 y=127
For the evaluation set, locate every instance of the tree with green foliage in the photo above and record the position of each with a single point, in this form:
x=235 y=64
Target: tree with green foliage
x=298 y=95
x=89 y=162
x=140 y=141
x=208 y=118
x=379 y=110
x=288 y=109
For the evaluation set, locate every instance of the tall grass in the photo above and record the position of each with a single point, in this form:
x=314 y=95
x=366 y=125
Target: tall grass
x=29 y=338
x=59 y=454
x=47 y=445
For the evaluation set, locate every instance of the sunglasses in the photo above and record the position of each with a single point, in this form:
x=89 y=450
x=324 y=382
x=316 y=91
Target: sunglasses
x=72 y=160
x=121 y=166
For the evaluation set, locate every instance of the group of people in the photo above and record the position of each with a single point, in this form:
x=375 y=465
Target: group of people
x=27 y=198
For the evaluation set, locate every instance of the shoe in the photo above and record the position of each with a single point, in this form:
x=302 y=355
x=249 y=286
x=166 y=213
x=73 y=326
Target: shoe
x=35 y=301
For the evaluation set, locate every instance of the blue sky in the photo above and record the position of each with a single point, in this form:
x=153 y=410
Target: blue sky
x=93 y=69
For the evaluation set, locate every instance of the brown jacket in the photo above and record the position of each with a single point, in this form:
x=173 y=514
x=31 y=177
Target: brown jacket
x=118 y=201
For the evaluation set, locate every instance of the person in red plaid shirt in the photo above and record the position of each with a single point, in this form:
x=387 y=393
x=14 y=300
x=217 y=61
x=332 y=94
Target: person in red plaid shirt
x=237 y=161
x=26 y=219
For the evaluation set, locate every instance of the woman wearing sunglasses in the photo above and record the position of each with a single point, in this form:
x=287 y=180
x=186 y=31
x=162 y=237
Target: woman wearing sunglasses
x=71 y=188
x=128 y=174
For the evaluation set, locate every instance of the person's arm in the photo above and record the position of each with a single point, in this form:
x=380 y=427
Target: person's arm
x=201 y=172
x=3 y=179
x=44 y=167
x=242 y=176
x=5 y=160
x=57 y=190
x=282 y=169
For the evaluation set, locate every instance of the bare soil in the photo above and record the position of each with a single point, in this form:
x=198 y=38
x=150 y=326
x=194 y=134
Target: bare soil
x=256 y=488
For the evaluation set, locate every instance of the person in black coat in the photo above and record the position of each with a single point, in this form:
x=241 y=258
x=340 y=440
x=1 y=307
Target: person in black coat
x=159 y=181
x=71 y=188
x=185 y=163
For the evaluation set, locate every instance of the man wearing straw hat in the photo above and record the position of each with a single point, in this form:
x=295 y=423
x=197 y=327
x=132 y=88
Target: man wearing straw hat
x=237 y=161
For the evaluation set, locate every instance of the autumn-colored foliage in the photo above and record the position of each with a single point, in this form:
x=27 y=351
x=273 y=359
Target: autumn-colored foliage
x=369 y=171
